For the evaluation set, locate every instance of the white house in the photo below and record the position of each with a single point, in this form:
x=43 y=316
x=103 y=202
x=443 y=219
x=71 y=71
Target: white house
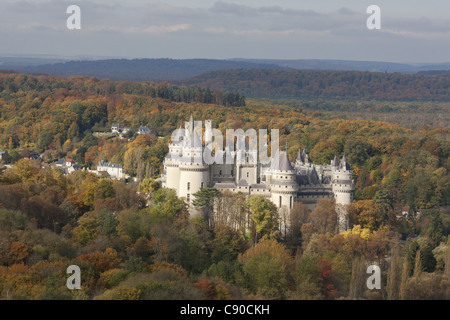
x=116 y=128
x=115 y=171
x=68 y=165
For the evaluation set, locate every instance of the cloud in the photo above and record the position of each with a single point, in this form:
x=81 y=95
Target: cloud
x=153 y=29
x=429 y=35
x=287 y=32
x=216 y=28
x=232 y=8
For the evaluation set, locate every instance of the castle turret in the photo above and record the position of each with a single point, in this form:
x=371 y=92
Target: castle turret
x=342 y=181
x=302 y=159
x=343 y=187
x=283 y=184
x=334 y=162
x=194 y=172
x=171 y=173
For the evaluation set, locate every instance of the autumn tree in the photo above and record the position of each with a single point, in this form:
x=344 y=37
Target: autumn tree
x=24 y=171
x=227 y=244
x=324 y=217
x=267 y=266
x=149 y=185
x=366 y=213
x=299 y=215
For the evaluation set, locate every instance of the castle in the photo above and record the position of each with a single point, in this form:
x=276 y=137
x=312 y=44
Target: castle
x=280 y=180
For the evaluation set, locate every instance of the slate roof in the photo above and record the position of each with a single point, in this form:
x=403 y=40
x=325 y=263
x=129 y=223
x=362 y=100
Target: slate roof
x=283 y=163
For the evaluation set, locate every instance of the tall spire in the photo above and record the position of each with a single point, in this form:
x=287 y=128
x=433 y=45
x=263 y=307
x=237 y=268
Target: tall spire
x=344 y=164
x=299 y=155
x=191 y=124
x=335 y=163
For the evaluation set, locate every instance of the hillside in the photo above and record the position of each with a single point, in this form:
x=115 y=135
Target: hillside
x=351 y=65
x=182 y=69
x=327 y=84
x=139 y=69
x=134 y=240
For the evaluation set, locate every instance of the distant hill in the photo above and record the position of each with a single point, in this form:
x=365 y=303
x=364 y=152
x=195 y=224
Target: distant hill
x=257 y=83
x=181 y=69
x=140 y=69
x=350 y=65
x=431 y=72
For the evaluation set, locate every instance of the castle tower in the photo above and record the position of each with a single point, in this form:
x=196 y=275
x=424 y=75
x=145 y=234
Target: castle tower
x=343 y=187
x=283 y=188
x=171 y=172
x=283 y=184
x=247 y=163
x=343 y=184
x=194 y=173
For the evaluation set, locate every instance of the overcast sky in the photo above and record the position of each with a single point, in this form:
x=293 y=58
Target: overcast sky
x=411 y=30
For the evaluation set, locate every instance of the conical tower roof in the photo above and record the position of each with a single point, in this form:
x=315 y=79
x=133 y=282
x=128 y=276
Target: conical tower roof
x=282 y=162
x=299 y=156
x=335 y=163
x=344 y=164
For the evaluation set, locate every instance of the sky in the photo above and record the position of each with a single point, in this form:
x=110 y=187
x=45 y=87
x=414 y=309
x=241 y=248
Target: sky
x=412 y=31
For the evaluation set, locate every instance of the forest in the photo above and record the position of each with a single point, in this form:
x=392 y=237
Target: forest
x=270 y=83
x=134 y=240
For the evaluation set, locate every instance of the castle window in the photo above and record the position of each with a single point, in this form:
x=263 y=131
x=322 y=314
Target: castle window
x=220 y=172
x=280 y=202
x=232 y=172
x=201 y=185
x=189 y=186
x=248 y=174
x=188 y=197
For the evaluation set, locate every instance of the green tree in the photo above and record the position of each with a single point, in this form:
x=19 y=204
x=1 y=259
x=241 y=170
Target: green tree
x=357 y=150
x=167 y=204
x=264 y=215
x=108 y=224
x=204 y=200
x=227 y=244
x=436 y=230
